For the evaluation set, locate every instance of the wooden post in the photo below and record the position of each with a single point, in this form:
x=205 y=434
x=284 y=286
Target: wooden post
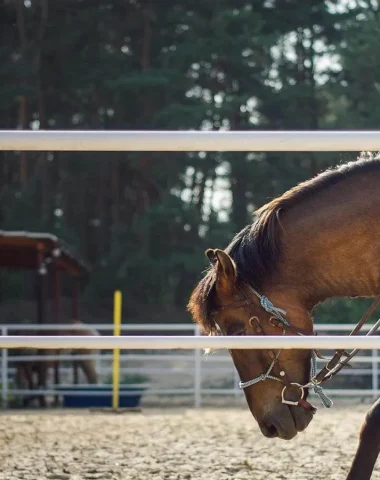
x=75 y=310
x=75 y=314
x=41 y=317
x=56 y=294
x=41 y=276
x=56 y=316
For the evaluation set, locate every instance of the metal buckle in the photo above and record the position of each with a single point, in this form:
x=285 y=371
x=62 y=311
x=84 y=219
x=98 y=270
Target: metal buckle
x=275 y=322
x=290 y=402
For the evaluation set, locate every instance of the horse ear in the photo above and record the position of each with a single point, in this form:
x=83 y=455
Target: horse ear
x=226 y=270
x=210 y=254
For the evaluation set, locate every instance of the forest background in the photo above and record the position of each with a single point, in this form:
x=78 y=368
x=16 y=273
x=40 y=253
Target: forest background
x=143 y=220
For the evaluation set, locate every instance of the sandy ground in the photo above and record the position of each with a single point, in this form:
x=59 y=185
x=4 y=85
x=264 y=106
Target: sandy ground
x=174 y=444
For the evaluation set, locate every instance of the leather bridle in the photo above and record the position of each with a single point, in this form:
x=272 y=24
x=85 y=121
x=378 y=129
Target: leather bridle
x=334 y=365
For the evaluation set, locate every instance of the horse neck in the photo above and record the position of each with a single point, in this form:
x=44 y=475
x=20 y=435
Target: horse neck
x=331 y=243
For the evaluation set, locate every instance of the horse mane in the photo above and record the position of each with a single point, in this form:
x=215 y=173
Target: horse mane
x=256 y=249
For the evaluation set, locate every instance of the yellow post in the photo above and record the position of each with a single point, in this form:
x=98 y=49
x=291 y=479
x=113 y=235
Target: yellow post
x=116 y=353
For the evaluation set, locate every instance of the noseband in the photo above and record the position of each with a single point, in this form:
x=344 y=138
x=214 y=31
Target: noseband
x=278 y=320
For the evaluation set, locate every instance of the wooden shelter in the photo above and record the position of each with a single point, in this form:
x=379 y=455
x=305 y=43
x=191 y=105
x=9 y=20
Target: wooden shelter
x=48 y=256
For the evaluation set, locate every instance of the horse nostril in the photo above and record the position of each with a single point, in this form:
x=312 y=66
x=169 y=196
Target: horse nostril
x=270 y=430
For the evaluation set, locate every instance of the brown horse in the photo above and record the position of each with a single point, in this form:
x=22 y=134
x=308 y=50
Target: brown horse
x=33 y=374
x=369 y=446
x=316 y=241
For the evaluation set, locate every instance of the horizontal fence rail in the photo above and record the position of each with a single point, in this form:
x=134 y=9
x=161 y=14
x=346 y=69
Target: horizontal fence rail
x=177 y=374
x=138 y=342
x=158 y=327
x=190 y=141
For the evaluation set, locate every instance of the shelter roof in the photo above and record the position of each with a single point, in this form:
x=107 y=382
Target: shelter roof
x=19 y=249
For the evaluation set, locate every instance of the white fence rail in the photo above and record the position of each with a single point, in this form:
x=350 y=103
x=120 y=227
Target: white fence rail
x=180 y=342
x=179 y=372
x=191 y=141
x=187 y=141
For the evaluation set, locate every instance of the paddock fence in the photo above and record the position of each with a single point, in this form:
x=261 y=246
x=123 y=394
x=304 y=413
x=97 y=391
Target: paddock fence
x=191 y=141
x=180 y=375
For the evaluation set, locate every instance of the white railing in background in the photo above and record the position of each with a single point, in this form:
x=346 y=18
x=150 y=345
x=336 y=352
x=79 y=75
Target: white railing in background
x=175 y=373
x=186 y=342
x=191 y=141
x=322 y=140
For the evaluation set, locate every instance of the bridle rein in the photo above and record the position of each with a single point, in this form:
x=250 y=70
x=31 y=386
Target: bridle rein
x=278 y=320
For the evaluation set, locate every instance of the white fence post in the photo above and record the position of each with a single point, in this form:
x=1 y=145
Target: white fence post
x=375 y=373
x=197 y=372
x=4 y=372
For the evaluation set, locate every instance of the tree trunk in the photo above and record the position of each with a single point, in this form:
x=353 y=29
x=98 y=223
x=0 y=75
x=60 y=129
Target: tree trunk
x=39 y=66
x=144 y=197
x=23 y=115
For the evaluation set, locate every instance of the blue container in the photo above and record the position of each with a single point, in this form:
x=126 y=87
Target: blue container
x=88 y=400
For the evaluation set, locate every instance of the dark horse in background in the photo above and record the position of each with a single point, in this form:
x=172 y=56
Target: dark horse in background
x=33 y=375
x=321 y=239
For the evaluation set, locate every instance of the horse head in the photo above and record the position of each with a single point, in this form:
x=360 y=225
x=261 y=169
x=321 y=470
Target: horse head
x=271 y=380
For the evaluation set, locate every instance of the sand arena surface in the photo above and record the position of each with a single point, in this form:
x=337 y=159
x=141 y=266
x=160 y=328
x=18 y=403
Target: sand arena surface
x=174 y=444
